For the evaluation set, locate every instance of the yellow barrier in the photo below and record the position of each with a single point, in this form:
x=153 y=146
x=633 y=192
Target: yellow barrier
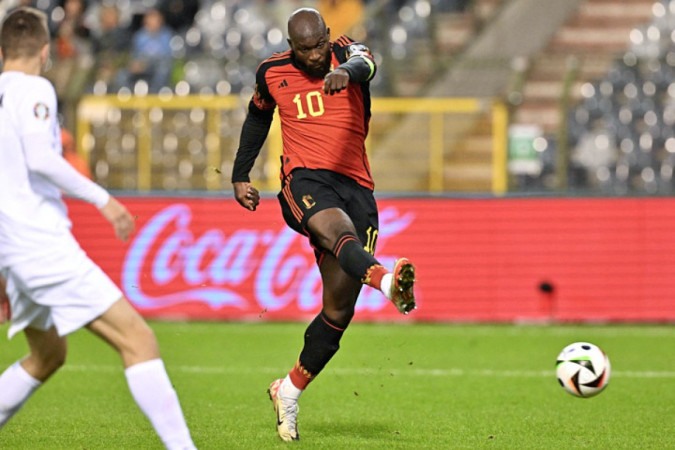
x=137 y=124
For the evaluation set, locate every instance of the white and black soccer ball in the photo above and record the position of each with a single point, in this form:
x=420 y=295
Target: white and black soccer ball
x=583 y=369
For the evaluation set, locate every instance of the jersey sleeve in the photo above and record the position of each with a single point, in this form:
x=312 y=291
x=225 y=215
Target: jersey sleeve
x=37 y=108
x=262 y=99
x=255 y=129
x=37 y=118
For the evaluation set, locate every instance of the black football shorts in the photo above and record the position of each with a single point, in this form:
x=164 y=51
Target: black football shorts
x=305 y=192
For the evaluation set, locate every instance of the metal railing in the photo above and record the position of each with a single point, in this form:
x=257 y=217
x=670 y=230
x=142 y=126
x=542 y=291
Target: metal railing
x=189 y=142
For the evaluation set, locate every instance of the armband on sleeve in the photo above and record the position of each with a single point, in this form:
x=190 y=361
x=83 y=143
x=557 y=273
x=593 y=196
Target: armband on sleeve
x=360 y=63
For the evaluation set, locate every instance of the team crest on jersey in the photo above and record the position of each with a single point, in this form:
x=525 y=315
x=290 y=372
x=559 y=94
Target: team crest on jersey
x=41 y=111
x=308 y=201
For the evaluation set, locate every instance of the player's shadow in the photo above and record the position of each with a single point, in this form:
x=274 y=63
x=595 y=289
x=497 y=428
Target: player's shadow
x=359 y=429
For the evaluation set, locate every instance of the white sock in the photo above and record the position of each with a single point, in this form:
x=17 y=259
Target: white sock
x=385 y=285
x=151 y=388
x=16 y=386
x=288 y=389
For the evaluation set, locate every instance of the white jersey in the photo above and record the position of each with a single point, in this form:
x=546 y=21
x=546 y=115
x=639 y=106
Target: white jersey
x=33 y=217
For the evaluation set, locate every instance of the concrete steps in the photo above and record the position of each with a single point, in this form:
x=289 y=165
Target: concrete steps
x=590 y=40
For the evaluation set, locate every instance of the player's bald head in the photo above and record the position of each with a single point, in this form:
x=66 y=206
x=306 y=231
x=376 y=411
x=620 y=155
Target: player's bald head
x=306 y=23
x=309 y=40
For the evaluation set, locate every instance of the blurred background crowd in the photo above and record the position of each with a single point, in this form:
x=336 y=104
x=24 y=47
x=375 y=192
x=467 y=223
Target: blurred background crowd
x=589 y=84
x=211 y=46
x=103 y=46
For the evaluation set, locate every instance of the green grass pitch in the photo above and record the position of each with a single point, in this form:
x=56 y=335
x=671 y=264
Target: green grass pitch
x=390 y=387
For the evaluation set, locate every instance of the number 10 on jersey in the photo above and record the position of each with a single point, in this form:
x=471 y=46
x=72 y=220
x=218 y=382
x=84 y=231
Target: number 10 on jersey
x=312 y=103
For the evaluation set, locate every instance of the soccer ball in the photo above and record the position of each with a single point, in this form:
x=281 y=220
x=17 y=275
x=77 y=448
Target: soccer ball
x=583 y=369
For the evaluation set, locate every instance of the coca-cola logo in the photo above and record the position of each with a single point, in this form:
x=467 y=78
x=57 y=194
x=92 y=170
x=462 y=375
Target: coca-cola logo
x=243 y=268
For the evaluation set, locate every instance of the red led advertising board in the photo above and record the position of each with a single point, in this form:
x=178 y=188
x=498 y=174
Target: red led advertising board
x=497 y=260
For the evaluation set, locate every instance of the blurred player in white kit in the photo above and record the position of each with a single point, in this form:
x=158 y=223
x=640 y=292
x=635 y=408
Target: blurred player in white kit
x=53 y=287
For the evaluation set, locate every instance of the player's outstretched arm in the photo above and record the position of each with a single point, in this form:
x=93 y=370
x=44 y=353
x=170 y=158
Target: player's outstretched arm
x=54 y=168
x=40 y=159
x=119 y=217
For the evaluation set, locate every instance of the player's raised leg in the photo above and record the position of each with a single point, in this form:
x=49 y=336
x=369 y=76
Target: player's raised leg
x=20 y=380
x=126 y=331
x=333 y=230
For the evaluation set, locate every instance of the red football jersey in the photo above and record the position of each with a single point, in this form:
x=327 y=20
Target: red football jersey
x=320 y=131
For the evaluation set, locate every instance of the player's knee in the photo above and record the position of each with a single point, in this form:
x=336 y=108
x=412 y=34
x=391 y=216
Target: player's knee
x=329 y=226
x=48 y=362
x=56 y=362
x=325 y=241
x=146 y=340
x=142 y=334
x=339 y=316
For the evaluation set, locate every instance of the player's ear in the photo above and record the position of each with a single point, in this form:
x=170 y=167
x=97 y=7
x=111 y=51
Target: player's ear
x=328 y=33
x=290 y=44
x=44 y=55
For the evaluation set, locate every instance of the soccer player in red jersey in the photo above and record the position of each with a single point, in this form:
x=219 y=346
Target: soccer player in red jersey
x=321 y=88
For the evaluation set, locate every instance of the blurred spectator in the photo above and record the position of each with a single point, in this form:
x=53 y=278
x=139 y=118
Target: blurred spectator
x=72 y=57
x=151 y=57
x=70 y=153
x=110 y=45
x=73 y=19
x=179 y=14
x=340 y=15
x=595 y=150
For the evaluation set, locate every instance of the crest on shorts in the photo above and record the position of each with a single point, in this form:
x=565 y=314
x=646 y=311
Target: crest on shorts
x=41 y=111
x=308 y=201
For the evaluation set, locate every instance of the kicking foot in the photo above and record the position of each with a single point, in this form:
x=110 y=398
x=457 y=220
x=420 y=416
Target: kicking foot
x=287 y=413
x=401 y=294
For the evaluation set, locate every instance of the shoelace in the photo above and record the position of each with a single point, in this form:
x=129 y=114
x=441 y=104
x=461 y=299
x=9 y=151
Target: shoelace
x=290 y=413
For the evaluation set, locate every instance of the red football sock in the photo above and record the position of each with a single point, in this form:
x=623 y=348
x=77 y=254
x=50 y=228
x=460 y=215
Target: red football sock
x=374 y=276
x=300 y=377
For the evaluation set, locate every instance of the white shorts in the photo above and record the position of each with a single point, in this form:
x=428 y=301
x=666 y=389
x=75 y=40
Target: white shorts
x=65 y=289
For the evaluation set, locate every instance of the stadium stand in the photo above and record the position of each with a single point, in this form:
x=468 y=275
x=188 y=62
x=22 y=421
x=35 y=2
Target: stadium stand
x=629 y=110
x=579 y=54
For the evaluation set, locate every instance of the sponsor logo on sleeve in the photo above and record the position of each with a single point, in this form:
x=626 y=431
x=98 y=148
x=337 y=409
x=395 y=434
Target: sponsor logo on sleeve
x=357 y=50
x=41 y=111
